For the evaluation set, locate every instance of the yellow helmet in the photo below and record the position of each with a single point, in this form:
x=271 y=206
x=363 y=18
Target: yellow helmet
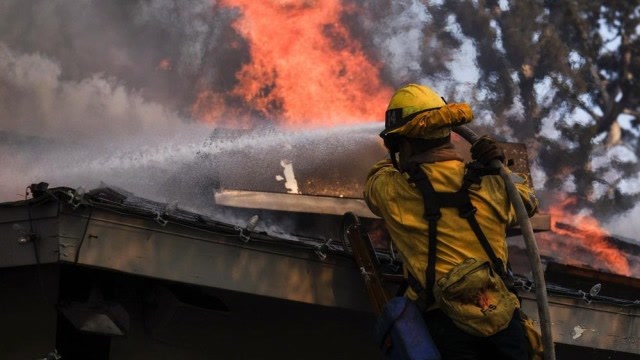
x=410 y=114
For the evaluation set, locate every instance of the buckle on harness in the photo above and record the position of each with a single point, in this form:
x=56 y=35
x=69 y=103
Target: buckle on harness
x=465 y=213
x=433 y=216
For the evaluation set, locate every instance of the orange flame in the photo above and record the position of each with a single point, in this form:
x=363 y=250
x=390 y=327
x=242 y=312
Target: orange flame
x=593 y=236
x=211 y=107
x=306 y=69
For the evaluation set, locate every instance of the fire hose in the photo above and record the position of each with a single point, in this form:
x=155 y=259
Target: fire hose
x=531 y=245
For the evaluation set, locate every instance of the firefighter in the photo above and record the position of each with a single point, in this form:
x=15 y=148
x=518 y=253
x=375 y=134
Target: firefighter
x=417 y=133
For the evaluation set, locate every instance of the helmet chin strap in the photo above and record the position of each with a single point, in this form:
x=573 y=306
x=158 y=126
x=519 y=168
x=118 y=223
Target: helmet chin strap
x=392 y=145
x=394 y=161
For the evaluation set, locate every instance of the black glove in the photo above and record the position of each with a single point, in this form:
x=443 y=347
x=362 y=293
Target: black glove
x=486 y=150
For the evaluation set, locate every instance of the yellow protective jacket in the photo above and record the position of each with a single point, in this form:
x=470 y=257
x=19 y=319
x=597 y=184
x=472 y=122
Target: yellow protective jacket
x=390 y=196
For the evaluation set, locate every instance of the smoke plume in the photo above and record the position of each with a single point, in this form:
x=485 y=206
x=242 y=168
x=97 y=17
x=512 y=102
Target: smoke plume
x=126 y=92
x=37 y=101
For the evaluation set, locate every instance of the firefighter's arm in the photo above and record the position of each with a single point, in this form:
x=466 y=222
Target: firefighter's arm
x=382 y=164
x=374 y=183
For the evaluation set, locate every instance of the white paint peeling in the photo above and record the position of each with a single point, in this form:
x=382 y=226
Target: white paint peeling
x=577 y=332
x=289 y=177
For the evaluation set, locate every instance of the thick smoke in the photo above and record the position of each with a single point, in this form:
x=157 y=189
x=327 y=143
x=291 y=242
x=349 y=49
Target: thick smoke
x=188 y=21
x=103 y=90
x=402 y=32
x=37 y=101
x=398 y=37
x=203 y=47
x=165 y=51
x=94 y=91
x=79 y=133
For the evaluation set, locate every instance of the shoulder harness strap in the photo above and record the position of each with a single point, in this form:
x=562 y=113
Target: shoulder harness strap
x=433 y=201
